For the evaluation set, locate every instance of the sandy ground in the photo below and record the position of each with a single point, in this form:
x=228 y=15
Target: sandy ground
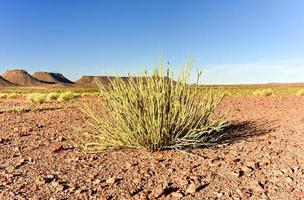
x=262 y=157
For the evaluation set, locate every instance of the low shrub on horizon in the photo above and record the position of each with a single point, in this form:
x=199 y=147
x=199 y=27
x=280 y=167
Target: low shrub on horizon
x=36 y=98
x=264 y=92
x=300 y=92
x=67 y=96
x=152 y=113
x=52 y=96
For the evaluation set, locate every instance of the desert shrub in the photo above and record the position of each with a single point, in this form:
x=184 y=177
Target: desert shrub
x=264 y=92
x=3 y=95
x=95 y=94
x=300 y=92
x=12 y=95
x=52 y=96
x=90 y=94
x=85 y=94
x=267 y=92
x=67 y=96
x=36 y=98
x=153 y=113
x=226 y=93
x=257 y=93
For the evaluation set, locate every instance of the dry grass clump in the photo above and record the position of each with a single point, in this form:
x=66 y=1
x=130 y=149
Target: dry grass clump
x=67 y=96
x=300 y=92
x=264 y=92
x=52 y=96
x=36 y=98
x=3 y=95
x=227 y=93
x=12 y=95
x=152 y=113
x=90 y=94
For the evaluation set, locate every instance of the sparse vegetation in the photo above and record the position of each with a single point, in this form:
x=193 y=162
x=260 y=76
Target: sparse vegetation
x=300 y=92
x=12 y=95
x=67 y=96
x=152 y=113
x=52 y=96
x=264 y=92
x=3 y=95
x=37 y=98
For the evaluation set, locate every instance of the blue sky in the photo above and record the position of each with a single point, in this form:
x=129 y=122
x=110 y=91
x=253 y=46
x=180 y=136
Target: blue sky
x=233 y=41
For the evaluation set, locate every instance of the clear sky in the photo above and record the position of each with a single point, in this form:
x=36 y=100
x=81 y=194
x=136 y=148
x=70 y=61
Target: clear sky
x=233 y=41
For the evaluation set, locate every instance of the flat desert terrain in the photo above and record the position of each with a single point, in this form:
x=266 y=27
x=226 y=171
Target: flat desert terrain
x=260 y=157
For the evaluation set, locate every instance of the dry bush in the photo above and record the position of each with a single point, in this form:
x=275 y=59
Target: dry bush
x=300 y=92
x=90 y=94
x=12 y=95
x=3 y=95
x=52 y=96
x=264 y=92
x=36 y=98
x=152 y=113
x=67 y=96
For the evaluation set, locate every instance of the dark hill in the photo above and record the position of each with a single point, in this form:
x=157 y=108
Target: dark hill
x=51 y=77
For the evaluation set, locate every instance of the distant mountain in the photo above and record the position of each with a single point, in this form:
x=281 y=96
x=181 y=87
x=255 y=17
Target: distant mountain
x=5 y=83
x=88 y=80
x=51 y=77
x=21 y=77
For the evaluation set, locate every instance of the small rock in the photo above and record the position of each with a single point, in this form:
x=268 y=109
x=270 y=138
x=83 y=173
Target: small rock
x=246 y=192
x=157 y=192
x=289 y=179
x=39 y=125
x=176 y=195
x=181 y=181
x=55 y=183
x=128 y=165
x=21 y=162
x=295 y=168
x=247 y=169
x=111 y=180
x=40 y=181
x=191 y=188
x=24 y=133
x=49 y=178
x=56 y=147
x=96 y=181
x=257 y=186
x=219 y=194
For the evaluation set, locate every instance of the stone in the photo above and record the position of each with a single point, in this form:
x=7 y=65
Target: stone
x=256 y=186
x=157 y=191
x=111 y=180
x=176 y=195
x=96 y=181
x=191 y=189
x=181 y=181
x=56 y=147
x=289 y=179
x=247 y=193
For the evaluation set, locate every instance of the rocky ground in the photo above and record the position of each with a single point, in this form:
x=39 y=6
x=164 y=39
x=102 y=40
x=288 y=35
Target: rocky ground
x=261 y=157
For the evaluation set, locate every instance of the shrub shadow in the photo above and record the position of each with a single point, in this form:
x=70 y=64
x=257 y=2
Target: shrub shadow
x=245 y=130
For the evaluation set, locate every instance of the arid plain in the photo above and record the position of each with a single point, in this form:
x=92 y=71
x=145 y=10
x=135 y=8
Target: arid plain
x=260 y=155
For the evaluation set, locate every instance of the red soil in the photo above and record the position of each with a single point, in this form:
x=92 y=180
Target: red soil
x=261 y=157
